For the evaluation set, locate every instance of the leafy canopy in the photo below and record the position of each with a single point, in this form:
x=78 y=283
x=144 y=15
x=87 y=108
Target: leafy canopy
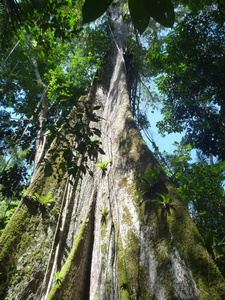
x=58 y=15
x=190 y=68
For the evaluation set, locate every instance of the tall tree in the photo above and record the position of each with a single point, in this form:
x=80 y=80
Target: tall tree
x=119 y=231
x=189 y=65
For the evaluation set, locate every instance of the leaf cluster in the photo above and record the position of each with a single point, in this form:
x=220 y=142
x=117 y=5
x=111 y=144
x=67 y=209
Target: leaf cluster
x=103 y=166
x=215 y=243
x=146 y=184
x=141 y=11
x=7 y=208
x=57 y=277
x=75 y=142
x=163 y=200
x=12 y=180
x=46 y=201
x=104 y=214
x=60 y=17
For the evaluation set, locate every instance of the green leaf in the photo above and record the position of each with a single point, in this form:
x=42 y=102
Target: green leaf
x=139 y=15
x=93 y=9
x=67 y=155
x=73 y=171
x=96 y=107
x=209 y=239
x=83 y=169
x=46 y=199
x=96 y=131
x=48 y=170
x=101 y=151
x=63 y=166
x=156 y=201
x=82 y=147
x=202 y=213
x=161 y=11
x=38 y=197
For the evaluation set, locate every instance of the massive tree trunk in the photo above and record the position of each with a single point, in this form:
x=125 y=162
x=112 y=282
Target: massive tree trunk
x=104 y=234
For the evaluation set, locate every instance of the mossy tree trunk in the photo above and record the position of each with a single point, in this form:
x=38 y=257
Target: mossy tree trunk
x=104 y=234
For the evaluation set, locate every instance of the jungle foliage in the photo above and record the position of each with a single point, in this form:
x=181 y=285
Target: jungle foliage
x=189 y=65
x=34 y=61
x=201 y=186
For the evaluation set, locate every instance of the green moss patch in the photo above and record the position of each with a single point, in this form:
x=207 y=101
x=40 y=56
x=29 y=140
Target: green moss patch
x=22 y=246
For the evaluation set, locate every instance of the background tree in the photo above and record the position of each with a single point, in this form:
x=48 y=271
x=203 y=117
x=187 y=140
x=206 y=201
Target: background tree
x=191 y=60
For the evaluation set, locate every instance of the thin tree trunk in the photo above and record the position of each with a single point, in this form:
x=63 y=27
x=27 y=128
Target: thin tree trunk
x=41 y=136
x=107 y=240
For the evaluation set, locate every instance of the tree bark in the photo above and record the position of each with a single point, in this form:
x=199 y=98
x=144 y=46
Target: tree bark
x=107 y=238
x=41 y=136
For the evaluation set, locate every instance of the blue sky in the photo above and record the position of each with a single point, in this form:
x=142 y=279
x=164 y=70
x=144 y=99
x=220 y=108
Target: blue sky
x=164 y=143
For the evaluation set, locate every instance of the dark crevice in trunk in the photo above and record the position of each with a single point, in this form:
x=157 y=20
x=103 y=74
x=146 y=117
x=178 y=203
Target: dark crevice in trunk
x=89 y=258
